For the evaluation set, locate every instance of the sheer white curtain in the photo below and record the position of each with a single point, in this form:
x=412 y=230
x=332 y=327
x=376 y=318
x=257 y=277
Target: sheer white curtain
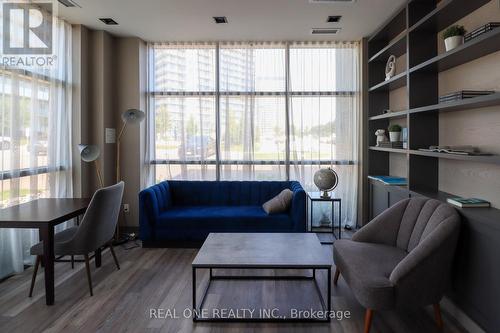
x=225 y=112
x=324 y=115
x=182 y=110
x=35 y=131
x=252 y=111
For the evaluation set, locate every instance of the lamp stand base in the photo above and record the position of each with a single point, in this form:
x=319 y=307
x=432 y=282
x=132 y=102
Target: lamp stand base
x=124 y=238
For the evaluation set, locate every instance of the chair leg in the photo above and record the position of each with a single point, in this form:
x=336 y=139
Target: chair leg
x=368 y=320
x=114 y=255
x=336 y=277
x=72 y=262
x=35 y=271
x=87 y=268
x=437 y=316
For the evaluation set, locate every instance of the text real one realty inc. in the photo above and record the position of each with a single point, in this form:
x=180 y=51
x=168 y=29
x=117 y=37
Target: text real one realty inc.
x=225 y=313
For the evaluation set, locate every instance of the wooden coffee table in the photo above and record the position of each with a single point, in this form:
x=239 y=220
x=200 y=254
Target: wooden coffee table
x=261 y=251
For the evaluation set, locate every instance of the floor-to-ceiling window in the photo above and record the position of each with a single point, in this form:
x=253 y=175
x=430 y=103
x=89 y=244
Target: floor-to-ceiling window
x=35 y=139
x=255 y=111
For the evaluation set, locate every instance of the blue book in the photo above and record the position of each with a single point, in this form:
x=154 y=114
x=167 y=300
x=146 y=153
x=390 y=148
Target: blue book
x=468 y=202
x=389 y=180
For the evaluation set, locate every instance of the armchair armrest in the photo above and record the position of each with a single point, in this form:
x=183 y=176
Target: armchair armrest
x=424 y=273
x=298 y=208
x=383 y=229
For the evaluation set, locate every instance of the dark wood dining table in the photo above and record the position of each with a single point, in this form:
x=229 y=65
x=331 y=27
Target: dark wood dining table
x=44 y=215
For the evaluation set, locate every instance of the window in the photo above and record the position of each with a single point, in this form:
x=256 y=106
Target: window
x=252 y=111
x=35 y=149
x=184 y=109
x=255 y=111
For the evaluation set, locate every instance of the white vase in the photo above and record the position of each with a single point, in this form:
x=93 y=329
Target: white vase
x=394 y=136
x=451 y=43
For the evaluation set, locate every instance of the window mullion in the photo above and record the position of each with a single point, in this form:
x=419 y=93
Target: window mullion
x=287 y=110
x=217 y=113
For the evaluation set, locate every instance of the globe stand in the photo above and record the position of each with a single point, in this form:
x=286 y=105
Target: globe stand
x=325 y=195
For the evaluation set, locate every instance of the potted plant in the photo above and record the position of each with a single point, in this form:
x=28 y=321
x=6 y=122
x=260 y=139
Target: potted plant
x=394 y=132
x=453 y=37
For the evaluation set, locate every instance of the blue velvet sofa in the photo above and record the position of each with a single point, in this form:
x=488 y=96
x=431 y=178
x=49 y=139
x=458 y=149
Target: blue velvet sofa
x=183 y=213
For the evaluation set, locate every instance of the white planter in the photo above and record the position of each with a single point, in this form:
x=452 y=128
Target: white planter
x=451 y=43
x=394 y=136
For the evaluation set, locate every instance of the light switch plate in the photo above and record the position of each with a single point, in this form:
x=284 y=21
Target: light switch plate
x=110 y=135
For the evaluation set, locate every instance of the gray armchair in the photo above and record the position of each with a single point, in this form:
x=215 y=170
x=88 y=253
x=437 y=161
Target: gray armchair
x=95 y=231
x=403 y=257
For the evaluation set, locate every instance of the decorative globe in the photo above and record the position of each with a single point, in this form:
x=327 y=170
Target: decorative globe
x=326 y=180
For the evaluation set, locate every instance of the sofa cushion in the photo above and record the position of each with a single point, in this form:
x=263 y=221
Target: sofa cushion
x=280 y=203
x=195 y=223
x=366 y=267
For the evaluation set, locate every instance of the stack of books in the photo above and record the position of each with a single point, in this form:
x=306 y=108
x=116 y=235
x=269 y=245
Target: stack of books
x=388 y=144
x=457 y=150
x=459 y=95
x=389 y=180
x=468 y=203
x=481 y=30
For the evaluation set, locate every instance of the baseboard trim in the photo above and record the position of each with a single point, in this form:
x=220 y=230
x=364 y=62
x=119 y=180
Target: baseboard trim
x=463 y=319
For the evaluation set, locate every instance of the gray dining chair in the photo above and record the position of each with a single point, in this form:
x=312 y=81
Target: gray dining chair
x=402 y=258
x=94 y=232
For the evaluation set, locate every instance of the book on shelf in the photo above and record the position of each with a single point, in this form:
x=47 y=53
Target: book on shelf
x=481 y=30
x=389 y=144
x=456 y=150
x=468 y=202
x=390 y=180
x=404 y=137
x=464 y=94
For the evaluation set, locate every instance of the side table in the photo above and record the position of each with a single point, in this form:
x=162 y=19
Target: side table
x=330 y=228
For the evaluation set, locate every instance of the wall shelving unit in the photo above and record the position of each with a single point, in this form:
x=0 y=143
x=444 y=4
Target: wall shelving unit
x=413 y=32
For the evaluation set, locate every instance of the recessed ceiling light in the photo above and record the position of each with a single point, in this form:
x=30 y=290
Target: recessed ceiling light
x=220 y=19
x=108 y=21
x=333 y=19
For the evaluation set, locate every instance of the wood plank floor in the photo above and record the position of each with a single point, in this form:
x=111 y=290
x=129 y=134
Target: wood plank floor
x=161 y=278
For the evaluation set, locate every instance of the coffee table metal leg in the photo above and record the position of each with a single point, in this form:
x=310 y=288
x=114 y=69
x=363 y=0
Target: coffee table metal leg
x=340 y=219
x=329 y=295
x=194 y=293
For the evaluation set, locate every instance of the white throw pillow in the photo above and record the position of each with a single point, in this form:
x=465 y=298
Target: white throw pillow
x=280 y=203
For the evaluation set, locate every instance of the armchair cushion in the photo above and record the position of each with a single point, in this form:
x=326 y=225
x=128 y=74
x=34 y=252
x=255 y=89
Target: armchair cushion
x=367 y=267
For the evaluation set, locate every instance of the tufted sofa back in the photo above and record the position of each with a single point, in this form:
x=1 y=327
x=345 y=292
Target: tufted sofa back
x=221 y=193
x=420 y=217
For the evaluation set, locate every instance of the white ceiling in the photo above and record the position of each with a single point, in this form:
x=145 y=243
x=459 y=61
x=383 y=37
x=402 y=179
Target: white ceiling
x=270 y=20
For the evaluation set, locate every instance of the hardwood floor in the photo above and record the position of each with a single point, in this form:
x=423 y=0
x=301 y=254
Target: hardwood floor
x=161 y=278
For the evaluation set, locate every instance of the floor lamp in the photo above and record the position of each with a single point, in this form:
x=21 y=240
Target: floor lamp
x=129 y=117
x=90 y=153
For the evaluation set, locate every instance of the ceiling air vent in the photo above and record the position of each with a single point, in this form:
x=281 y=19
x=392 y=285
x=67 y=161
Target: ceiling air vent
x=325 y=31
x=69 y=3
